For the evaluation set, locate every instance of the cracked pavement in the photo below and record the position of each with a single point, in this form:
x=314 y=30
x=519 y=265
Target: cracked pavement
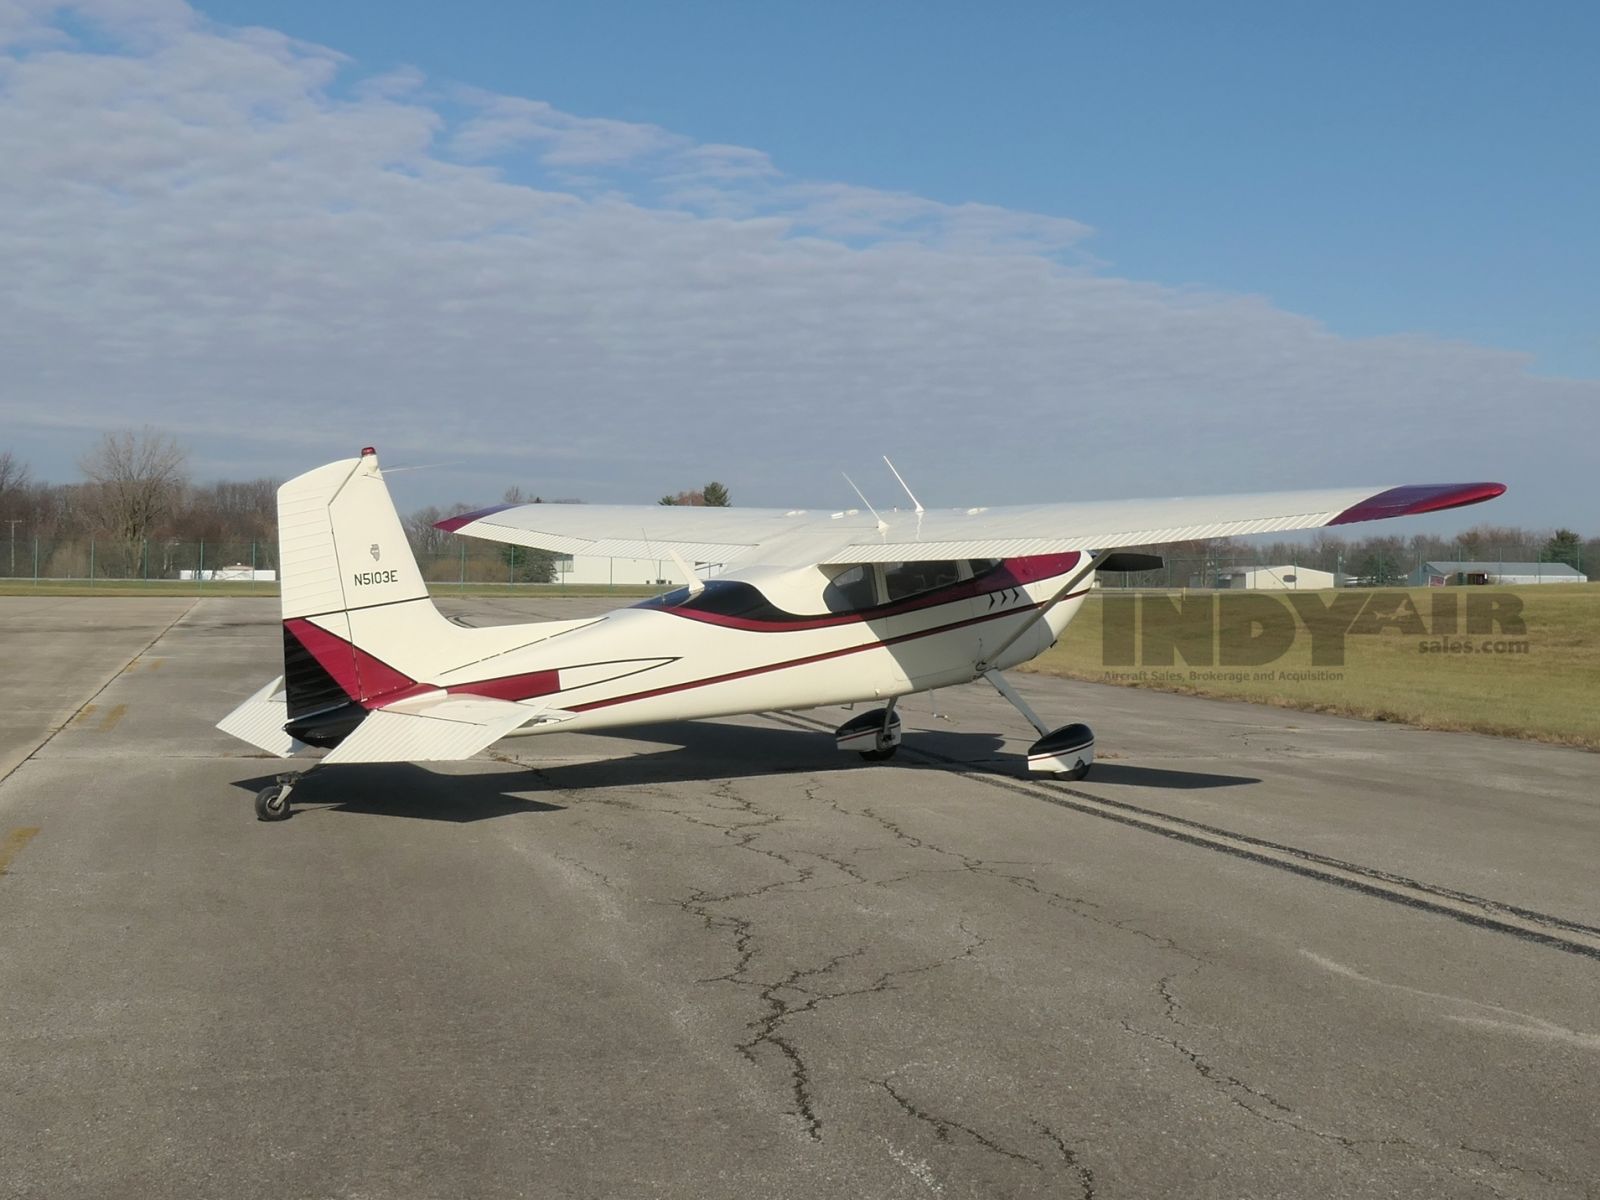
x=722 y=960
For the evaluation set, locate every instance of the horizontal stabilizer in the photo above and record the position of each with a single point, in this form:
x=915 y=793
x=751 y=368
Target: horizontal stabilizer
x=260 y=720
x=435 y=728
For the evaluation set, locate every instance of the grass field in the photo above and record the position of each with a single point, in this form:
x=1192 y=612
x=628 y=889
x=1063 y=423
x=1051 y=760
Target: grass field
x=1402 y=660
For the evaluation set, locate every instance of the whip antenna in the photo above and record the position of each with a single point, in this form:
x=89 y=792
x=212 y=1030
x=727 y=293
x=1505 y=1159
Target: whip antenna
x=915 y=503
x=882 y=525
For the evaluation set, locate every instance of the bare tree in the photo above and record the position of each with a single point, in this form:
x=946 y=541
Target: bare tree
x=691 y=499
x=428 y=541
x=13 y=473
x=228 y=510
x=137 y=480
x=15 y=502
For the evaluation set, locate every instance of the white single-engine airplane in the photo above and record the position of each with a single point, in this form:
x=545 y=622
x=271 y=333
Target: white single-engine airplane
x=810 y=609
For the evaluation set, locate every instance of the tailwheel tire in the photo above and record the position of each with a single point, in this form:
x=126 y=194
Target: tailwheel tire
x=883 y=755
x=272 y=803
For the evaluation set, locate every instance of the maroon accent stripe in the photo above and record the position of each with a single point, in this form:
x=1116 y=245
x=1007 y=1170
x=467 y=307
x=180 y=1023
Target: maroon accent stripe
x=810 y=658
x=451 y=524
x=373 y=683
x=363 y=677
x=511 y=687
x=1414 y=498
x=1012 y=572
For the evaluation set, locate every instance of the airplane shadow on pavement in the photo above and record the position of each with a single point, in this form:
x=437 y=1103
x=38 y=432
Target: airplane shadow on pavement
x=1123 y=774
x=410 y=790
x=689 y=752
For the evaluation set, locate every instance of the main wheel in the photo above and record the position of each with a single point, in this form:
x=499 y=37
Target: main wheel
x=879 y=755
x=272 y=804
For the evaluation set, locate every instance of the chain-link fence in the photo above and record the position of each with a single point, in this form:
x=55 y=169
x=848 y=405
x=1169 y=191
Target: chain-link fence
x=109 y=560
x=249 y=566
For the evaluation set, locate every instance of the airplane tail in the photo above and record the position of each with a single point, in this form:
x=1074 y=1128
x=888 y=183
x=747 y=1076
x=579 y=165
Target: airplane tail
x=357 y=619
x=367 y=659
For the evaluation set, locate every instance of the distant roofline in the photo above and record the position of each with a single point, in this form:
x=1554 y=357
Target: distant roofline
x=1275 y=567
x=1451 y=567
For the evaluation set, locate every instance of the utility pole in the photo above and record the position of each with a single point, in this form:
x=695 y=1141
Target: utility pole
x=14 y=521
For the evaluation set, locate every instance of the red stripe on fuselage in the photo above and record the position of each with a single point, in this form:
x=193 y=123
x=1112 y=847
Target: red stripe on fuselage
x=511 y=687
x=373 y=683
x=811 y=658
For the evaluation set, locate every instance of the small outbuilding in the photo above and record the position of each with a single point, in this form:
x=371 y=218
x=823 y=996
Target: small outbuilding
x=235 y=573
x=1447 y=574
x=1275 y=579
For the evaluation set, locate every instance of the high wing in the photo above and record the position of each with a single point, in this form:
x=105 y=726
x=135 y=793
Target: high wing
x=698 y=534
x=778 y=537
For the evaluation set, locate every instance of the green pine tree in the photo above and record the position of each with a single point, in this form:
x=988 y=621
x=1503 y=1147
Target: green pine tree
x=1564 y=547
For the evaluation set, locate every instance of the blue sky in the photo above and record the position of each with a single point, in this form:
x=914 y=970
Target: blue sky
x=1416 y=167
x=611 y=251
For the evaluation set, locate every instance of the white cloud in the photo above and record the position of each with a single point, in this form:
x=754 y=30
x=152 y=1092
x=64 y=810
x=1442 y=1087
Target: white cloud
x=503 y=123
x=246 y=239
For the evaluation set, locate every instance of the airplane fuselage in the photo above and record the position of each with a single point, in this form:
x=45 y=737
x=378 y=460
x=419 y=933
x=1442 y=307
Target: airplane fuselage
x=753 y=642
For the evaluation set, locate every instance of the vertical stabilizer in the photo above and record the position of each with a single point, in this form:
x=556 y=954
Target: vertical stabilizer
x=358 y=625
x=341 y=546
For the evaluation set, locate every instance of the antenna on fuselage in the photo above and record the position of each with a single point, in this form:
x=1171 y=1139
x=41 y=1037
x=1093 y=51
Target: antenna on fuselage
x=882 y=524
x=422 y=467
x=696 y=584
x=915 y=503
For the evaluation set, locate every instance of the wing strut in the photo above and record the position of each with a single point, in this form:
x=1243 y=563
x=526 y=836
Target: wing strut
x=1003 y=686
x=1065 y=590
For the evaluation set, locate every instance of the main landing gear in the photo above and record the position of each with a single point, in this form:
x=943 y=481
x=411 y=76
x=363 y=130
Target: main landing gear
x=1065 y=753
x=272 y=802
x=874 y=735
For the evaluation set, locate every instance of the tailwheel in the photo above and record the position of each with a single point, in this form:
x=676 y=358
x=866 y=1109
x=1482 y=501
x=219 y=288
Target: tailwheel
x=272 y=803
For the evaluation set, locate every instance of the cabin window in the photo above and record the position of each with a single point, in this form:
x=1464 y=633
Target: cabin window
x=906 y=579
x=982 y=566
x=853 y=588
